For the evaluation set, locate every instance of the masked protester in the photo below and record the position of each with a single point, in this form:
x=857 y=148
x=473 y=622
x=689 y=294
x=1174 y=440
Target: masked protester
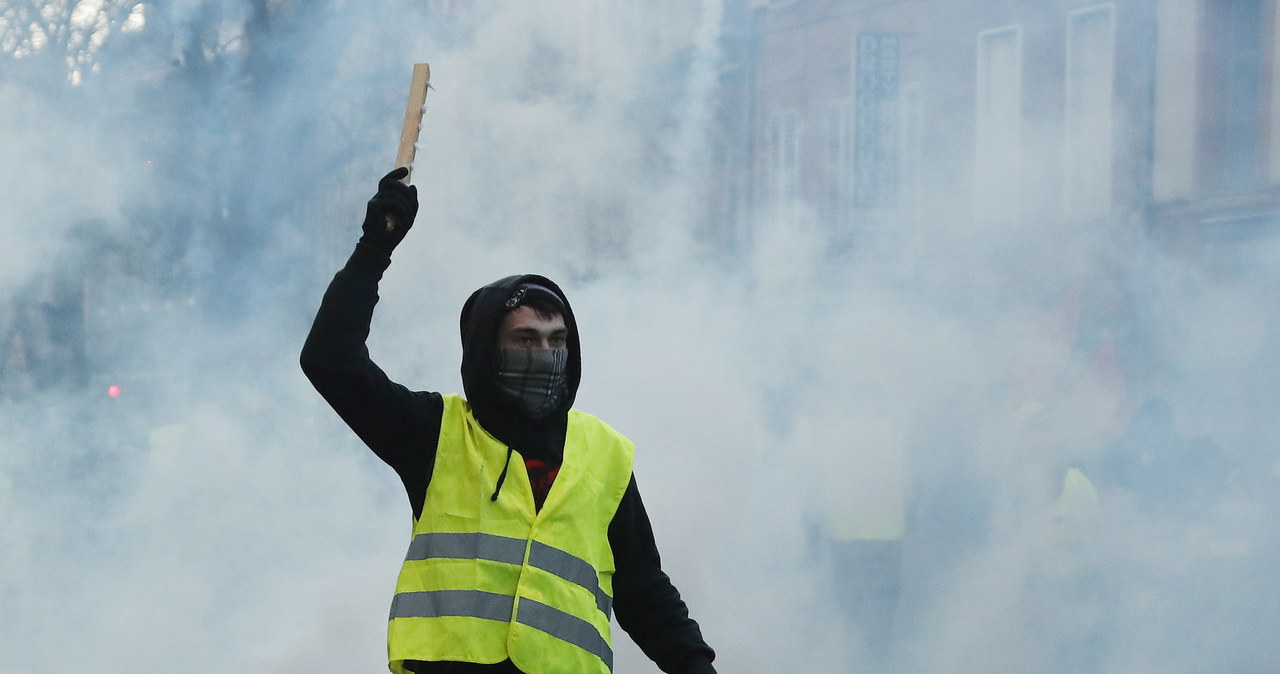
x=529 y=532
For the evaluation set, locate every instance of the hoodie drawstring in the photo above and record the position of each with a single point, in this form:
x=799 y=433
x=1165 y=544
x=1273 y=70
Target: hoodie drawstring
x=502 y=477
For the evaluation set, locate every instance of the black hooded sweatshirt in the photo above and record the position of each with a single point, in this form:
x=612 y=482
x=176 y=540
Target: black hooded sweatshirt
x=402 y=428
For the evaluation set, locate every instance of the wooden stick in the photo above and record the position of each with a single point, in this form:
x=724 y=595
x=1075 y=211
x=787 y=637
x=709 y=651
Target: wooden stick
x=413 y=117
x=412 y=124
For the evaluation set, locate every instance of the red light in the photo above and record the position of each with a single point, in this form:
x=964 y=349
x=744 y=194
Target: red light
x=113 y=391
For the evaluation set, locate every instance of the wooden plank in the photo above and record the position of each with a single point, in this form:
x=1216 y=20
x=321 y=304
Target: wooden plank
x=413 y=117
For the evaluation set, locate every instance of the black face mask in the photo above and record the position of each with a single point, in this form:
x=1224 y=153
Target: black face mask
x=534 y=378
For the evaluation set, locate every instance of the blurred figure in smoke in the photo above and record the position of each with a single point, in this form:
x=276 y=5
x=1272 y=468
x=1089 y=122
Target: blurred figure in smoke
x=863 y=486
x=42 y=338
x=1167 y=474
x=505 y=573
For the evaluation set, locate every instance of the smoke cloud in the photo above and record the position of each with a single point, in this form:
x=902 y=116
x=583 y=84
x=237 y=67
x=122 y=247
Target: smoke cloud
x=202 y=185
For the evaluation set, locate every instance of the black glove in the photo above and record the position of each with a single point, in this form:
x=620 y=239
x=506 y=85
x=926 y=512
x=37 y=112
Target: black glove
x=390 y=212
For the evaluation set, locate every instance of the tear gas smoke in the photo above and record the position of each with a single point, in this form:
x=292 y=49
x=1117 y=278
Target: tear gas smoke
x=200 y=188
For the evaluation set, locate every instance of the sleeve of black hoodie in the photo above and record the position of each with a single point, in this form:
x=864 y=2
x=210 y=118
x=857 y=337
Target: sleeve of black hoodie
x=647 y=604
x=399 y=425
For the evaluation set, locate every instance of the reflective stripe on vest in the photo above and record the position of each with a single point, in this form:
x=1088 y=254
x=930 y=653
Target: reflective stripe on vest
x=453 y=603
x=565 y=626
x=510 y=551
x=491 y=606
x=486 y=580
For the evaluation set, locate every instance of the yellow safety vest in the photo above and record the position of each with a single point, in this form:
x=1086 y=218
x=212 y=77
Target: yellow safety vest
x=488 y=580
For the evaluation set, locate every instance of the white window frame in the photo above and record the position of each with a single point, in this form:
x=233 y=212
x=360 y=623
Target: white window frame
x=1088 y=127
x=1178 y=23
x=997 y=153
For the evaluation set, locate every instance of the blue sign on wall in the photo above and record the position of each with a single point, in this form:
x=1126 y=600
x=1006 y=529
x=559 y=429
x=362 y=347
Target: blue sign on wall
x=875 y=119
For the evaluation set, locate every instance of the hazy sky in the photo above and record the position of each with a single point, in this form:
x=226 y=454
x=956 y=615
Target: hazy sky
x=219 y=517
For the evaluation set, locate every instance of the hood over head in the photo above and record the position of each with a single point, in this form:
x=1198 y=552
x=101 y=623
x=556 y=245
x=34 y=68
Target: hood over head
x=482 y=315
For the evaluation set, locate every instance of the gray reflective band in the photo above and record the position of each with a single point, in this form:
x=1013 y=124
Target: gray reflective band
x=467 y=546
x=511 y=551
x=565 y=627
x=573 y=569
x=453 y=603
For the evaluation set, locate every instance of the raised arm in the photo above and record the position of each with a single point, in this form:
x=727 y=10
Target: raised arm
x=399 y=425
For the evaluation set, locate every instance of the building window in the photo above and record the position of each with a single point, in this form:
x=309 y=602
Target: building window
x=1177 y=84
x=998 y=132
x=1088 y=126
x=1274 y=83
x=912 y=151
x=1231 y=112
x=839 y=156
x=784 y=154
